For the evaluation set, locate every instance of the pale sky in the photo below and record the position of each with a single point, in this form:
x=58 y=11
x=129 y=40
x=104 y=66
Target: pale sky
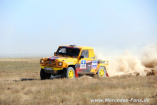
x=38 y=27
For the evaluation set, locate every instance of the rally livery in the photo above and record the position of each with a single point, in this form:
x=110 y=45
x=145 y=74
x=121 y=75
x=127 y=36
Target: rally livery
x=71 y=61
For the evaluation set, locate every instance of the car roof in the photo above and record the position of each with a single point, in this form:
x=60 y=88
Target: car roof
x=73 y=46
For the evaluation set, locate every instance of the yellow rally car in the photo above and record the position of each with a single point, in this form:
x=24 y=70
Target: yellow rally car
x=71 y=61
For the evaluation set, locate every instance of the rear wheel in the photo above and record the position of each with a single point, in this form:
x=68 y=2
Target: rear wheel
x=44 y=75
x=70 y=73
x=101 y=72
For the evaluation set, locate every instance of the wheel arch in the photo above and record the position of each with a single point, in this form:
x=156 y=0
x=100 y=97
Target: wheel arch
x=73 y=66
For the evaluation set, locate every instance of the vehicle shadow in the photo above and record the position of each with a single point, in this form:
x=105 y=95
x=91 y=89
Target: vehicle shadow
x=28 y=79
x=34 y=79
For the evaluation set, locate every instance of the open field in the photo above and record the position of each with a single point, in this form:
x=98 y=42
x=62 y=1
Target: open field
x=20 y=84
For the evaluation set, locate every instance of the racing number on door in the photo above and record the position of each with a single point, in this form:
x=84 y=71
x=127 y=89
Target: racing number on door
x=83 y=64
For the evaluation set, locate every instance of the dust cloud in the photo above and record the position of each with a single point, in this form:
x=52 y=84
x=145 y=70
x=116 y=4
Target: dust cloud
x=143 y=63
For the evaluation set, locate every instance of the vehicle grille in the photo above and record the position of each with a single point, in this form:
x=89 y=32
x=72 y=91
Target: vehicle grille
x=50 y=63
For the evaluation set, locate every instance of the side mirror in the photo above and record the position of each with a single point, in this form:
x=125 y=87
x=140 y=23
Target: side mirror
x=81 y=56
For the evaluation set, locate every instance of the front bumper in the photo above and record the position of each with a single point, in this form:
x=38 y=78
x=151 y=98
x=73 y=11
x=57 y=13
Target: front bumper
x=52 y=70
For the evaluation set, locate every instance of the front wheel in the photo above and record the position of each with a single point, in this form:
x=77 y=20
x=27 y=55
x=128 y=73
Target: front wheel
x=44 y=75
x=70 y=73
x=101 y=72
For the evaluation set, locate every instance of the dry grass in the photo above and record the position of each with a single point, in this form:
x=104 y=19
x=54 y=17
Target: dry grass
x=20 y=84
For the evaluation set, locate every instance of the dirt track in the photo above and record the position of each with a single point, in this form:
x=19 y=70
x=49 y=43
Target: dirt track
x=20 y=84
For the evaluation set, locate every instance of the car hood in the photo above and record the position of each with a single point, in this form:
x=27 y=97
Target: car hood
x=68 y=60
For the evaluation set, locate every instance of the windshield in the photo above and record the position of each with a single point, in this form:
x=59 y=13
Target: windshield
x=68 y=51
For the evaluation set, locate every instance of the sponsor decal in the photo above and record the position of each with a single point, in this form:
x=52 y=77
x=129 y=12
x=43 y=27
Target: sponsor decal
x=83 y=64
x=53 y=58
x=94 y=64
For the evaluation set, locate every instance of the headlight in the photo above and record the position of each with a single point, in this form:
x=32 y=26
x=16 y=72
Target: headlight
x=41 y=61
x=60 y=63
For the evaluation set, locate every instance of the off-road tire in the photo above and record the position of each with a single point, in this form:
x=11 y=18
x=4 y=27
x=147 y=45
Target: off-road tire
x=70 y=70
x=44 y=75
x=100 y=70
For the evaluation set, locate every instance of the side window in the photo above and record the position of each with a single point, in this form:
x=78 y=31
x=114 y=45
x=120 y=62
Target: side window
x=84 y=53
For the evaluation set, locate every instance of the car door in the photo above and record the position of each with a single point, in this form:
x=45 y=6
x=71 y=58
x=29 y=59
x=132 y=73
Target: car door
x=85 y=62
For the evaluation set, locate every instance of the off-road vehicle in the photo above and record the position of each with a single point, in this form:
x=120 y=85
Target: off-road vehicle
x=70 y=61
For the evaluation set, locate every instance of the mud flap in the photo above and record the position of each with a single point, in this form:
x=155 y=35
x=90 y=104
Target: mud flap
x=76 y=75
x=107 y=74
